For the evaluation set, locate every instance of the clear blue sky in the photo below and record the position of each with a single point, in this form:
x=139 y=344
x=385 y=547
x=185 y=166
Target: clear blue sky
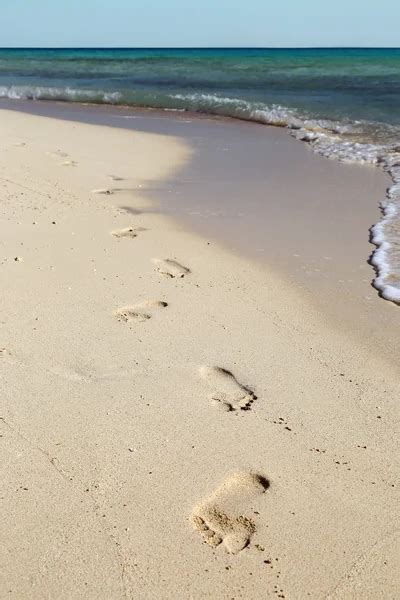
x=199 y=23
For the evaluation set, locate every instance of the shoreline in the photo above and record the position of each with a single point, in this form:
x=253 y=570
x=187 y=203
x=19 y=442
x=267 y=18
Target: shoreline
x=339 y=202
x=111 y=440
x=336 y=124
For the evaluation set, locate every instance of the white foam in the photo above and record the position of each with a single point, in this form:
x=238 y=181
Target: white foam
x=54 y=93
x=385 y=234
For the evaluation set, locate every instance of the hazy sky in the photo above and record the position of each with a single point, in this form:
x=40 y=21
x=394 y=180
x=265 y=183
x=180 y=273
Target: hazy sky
x=199 y=23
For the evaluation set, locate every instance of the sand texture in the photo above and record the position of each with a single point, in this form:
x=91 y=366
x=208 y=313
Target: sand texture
x=176 y=422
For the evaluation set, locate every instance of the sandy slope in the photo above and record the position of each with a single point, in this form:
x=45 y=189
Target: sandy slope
x=126 y=444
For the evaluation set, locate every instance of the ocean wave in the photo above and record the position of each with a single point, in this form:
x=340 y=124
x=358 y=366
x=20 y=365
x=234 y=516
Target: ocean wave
x=386 y=234
x=362 y=142
x=276 y=115
x=60 y=94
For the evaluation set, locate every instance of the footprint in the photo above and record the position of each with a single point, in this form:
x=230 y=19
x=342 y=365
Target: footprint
x=170 y=268
x=128 y=232
x=139 y=312
x=219 y=520
x=116 y=178
x=69 y=163
x=58 y=154
x=103 y=191
x=70 y=374
x=228 y=393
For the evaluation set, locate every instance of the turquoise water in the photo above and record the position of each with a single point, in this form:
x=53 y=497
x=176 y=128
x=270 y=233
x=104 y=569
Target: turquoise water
x=344 y=85
x=344 y=102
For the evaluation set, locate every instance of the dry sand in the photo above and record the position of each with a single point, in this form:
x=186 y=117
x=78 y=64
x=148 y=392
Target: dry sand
x=176 y=421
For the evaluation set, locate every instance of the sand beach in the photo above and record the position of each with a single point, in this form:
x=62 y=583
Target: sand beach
x=182 y=417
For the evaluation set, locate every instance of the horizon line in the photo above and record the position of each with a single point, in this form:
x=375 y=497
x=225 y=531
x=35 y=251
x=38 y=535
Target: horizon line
x=199 y=47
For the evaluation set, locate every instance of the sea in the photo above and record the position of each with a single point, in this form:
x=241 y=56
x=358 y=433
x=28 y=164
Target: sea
x=344 y=102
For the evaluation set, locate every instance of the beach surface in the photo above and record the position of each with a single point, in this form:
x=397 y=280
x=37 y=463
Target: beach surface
x=177 y=419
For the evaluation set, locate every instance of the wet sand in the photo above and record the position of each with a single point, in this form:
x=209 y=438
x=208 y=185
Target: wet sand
x=178 y=419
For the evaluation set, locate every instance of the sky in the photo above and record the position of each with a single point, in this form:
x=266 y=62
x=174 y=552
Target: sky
x=196 y=23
